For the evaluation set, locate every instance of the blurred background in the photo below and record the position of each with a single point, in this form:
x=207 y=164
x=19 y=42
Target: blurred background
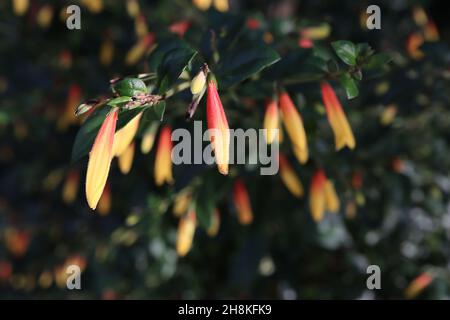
x=393 y=188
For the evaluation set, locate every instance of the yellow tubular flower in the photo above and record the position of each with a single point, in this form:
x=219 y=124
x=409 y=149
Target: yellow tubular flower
x=106 y=54
x=20 y=7
x=430 y=32
x=104 y=205
x=124 y=136
x=331 y=199
x=294 y=127
x=343 y=134
x=149 y=138
x=133 y=8
x=317 y=195
x=182 y=202
x=70 y=188
x=271 y=121
x=215 y=224
x=242 y=203
x=290 y=178
x=221 y=5
x=163 y=161
x=139 y=49
x=186 y=232
x=94 y=6
x=45 y=16
x=317 y=32
x=100 y=159
x=420 y=17
x=126 y=159
x=202 y=4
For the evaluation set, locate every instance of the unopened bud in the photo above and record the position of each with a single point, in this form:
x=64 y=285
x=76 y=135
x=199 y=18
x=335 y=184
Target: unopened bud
x=198 y=83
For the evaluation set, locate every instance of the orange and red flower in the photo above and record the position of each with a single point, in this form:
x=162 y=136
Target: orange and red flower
x=242 y=203
x=218 y=127
x=271 y=121
x=418 y=285
x=289 y=177
x=163 y=161
x=317 y=195
x=70 y=188
x=124 y=136
x=186 y=232
x=100 y=159
x=104 y=204
x=126 y=159
x=343 y=134
x=215 y=224
x=322 y=196
x=294 y=127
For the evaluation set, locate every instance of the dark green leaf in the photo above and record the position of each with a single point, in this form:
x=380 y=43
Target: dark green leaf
x=240 y=64
x=169 y=60
x=156 y=112
x=345 y=50
x=349 y=85
x=378 y=61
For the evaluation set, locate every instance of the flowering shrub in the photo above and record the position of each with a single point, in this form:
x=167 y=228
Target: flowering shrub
x=356 y=120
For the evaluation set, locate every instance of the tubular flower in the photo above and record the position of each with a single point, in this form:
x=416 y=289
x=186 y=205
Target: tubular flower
x=44 y=16
x=17 y=241
x=316 y=32
x=104 y=204
x=139 y=49
x=126 y=159
x=163 y=161
x=73 y=99
x=271 y=121
x=221 y=5
x=94 y=6
x=106 y=53
x=242 y=203
x=289 y=177
x=294 y=127
x=202 y=4
x=215 y=224
x=180 y=27
x=419 y=15
x=20 y=7
x=343 y=134
x=149 y=138
x=70 y=188
x=430 y=32
x=331 y=199
x=182 y=202
x=317 y=199
x=218 y=127
x=413 y=43
x=100 y=159
x=418 y=285
x=124 y=136
x=133 y=8
x=186 y=231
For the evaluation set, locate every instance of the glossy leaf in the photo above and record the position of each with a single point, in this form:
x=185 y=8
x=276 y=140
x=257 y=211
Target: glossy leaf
x=345 y=50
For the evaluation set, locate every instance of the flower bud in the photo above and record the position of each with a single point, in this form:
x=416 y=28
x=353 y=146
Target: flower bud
x=198 y=83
